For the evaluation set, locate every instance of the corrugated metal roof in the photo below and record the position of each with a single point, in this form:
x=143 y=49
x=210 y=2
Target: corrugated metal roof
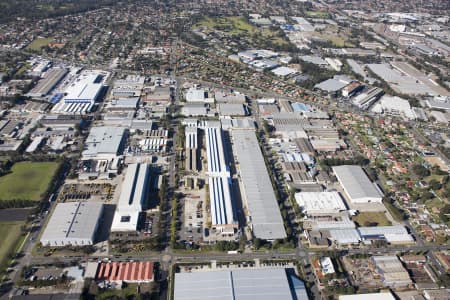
x=356 y=183
x=240 y=284
x=260 y=197
x=73 y=220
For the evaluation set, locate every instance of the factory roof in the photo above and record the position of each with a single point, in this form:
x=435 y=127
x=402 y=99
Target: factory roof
x=345 y=236
x=372 y=296
x=104 y=140
x=258 y=192
x=333 y=84
x=239 y=284
x=284 y=71
x=85 y=88
x=45 y=85
x=195 y=95
x=392 y=234
x=73 y=220
x=229 y=97
x=131 y=198
x=231 y=109
x=219 y=179
x=320 y=203
x=356 y=184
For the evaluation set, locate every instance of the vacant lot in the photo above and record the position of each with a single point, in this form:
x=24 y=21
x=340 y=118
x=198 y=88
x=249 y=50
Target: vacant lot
x=10 y=237
x=372 y=219
x=28 y=180
x=38 y=43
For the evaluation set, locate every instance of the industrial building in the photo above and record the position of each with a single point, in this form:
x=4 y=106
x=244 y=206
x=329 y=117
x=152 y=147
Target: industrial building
x=232 y=109
x=392 y=272
x=82 y=93
x=132 y=197
x=224 y=97
x=222 y=211
x=123 y=104
x=346 y=236
x=196 y=95
x=372 y=296
x=320 y=203
x=73 y=223
x=48 y=83
x=392 y=234
x=264 y=215
x=130 y=272
x=129 y=87
x=239 y=284
x=367 y=98
x=192 y=158
x=394 y=105
x=357 y=186
x=104 y=143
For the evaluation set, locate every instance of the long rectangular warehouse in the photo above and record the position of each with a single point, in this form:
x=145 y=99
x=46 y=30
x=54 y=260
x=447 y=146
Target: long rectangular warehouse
x=264 y=214
x=222 y=213
x=47 y=84
x=132 y=196
x=239 y=284
x=357 y=185
x=73 y=223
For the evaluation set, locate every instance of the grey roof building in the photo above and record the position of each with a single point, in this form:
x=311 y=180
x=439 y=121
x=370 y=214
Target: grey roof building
x=264 y=214
x=239 y=284
x=357 y=185
x=73 y=223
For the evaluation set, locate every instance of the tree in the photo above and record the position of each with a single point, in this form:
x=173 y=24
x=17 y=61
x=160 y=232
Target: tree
x=421 y=171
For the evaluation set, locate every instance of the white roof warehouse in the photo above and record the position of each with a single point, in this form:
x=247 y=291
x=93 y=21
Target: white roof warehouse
x=73 y=223
x=357 y=185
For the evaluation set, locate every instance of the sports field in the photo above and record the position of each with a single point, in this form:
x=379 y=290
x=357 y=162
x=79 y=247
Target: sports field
x=28 y=180
x=38 y=43
x=11 y=237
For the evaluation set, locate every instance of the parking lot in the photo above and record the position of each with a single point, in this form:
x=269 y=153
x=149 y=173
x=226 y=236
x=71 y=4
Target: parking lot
x=83 y=192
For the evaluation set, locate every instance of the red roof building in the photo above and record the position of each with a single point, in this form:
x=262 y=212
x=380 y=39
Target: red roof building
x=141 y=271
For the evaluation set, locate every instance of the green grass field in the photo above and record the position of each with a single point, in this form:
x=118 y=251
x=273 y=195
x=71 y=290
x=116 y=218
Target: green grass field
x=28 y=180
x=11 y=238
x=317 y=14
x=239 y=27
x=371 y=219
x=38 y=43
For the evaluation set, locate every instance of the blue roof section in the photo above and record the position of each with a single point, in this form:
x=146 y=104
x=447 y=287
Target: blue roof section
x=297 y=286
x=298 y=106
x=56 y=98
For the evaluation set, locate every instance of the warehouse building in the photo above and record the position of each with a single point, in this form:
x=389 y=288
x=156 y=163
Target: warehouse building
x=349 y=236
x=264 y=215
x=227 y=97
x=222 y=210
x=48 y=83
x=372 y=296
x=131 y=86
x=320 y=203
x=242 y=284
x=82 y=93
x=391 y=270
x=104 y=143
x=132 y=198
x=356 y=184
x=392 y=234
x=192 y=158
x=73 y=223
